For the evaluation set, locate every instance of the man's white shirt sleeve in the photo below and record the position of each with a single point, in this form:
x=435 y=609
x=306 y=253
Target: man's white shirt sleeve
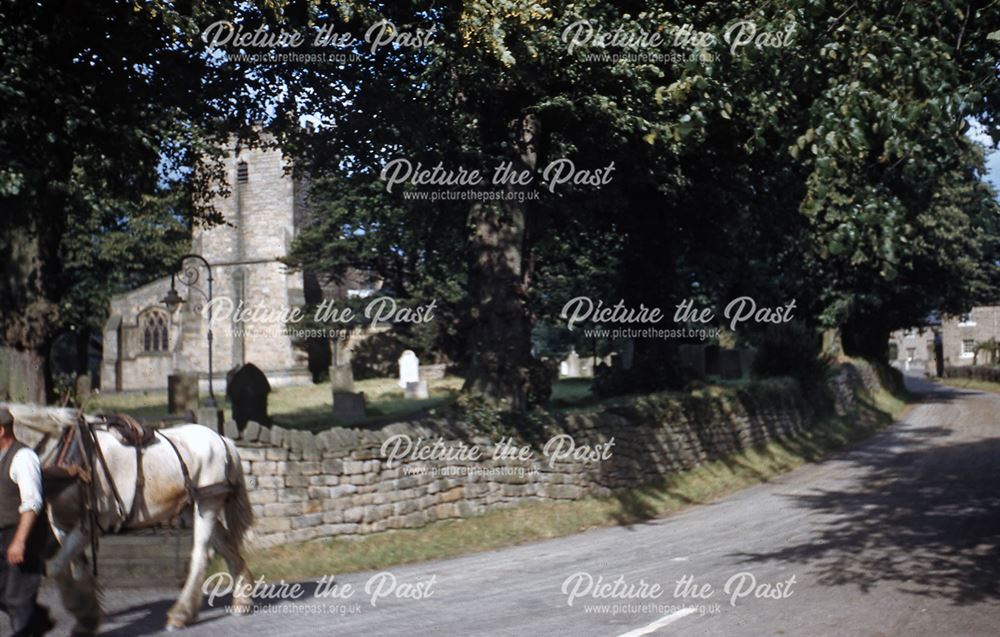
x=26 y=472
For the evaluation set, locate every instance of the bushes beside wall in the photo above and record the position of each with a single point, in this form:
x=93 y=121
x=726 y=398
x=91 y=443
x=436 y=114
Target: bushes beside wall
x=975 y=372
x=339 y=483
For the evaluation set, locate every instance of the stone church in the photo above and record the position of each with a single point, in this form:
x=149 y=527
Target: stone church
x=144 y=341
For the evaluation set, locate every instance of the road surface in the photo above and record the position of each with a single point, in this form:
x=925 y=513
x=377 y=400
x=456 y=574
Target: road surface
x=900 y=536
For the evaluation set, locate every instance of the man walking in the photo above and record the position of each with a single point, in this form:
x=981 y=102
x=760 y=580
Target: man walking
x=20 y=551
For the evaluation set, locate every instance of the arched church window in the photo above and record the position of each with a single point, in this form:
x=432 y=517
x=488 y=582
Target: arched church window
x=155 y=335
x=242 y=173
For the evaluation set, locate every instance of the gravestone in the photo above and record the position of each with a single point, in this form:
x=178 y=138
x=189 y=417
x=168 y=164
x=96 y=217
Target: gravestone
x=349 y=404
x=614 y=360
x=417 y=390
x=730 y=364
x=572 y=364
x=247 y=389
x=341 y=378
x=433 y=372
x=712 y=359
x=82 y=386
x=409 y=368
x=182 y=393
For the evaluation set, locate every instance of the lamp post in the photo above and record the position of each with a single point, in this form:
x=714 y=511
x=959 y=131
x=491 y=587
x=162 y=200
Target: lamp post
x=189 y=277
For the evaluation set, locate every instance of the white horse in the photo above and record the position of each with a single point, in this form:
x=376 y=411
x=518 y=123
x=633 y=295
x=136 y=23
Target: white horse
x=222 y=514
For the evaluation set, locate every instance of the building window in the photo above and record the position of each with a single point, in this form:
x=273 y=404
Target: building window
x=966 y=320
x=911 y=353
x=242 y=173
x=968 y=348
x=155 y=336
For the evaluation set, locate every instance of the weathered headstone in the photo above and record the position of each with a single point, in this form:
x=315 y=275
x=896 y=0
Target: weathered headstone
x=417 y=390
x=341 y=378
x=573 y=364
x=348 y=404
x=409 y=368
x=247 y=389
x=712 y=359
x=182 y=392
x=433 y=372
x=730 y=364
x=615 y=360
x=82 y=386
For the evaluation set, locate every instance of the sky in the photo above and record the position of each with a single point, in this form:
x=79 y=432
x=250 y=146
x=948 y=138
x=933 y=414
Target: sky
x=993 y=168
x=992 y=156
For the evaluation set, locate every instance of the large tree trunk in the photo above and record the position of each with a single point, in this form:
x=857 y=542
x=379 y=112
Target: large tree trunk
x=501 y=367
x=22 y=375
x=26 y=324
x=649 y=266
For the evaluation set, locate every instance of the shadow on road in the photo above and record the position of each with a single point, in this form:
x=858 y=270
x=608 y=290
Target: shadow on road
x=149 y=618
x=924 y=515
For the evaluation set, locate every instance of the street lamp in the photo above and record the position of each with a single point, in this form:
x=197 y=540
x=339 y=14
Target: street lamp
x=189 y=277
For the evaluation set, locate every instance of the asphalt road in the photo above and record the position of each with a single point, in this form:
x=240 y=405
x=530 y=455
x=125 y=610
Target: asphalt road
x=898 y=537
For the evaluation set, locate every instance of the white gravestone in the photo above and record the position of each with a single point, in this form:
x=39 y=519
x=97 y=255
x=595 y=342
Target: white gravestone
x=409 y=368
x=572 y=365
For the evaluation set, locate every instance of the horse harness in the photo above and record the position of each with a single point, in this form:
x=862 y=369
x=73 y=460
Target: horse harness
x=78 y=452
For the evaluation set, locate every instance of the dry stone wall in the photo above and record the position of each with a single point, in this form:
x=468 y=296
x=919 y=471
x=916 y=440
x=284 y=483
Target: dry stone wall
x=348 y=482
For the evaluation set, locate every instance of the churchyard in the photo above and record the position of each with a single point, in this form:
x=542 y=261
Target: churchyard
x=308 y=406
x=303 y=406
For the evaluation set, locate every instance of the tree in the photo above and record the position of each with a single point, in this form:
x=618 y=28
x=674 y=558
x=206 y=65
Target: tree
x=847 y=176
x=833 y=167
x=497 y=86
x=818 y=170
x=107 y=108
x=902 y=221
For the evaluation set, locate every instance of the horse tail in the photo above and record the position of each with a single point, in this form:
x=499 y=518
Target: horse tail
x=238 y=511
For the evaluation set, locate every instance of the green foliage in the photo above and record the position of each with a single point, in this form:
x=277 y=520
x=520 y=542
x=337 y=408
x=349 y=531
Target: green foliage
x=356 y=226
x=792 y=350
x=110 y=135
x=987 y=352
x=837 y=170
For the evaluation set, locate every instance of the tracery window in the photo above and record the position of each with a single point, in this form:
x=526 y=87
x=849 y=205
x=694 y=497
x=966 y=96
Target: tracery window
x=155 y=334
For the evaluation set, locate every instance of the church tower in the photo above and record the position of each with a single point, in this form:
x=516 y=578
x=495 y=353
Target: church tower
x=261 y=212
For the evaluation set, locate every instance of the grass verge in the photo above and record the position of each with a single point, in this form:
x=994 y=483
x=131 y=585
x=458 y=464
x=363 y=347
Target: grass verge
x=543 y=520
x=969 y=383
